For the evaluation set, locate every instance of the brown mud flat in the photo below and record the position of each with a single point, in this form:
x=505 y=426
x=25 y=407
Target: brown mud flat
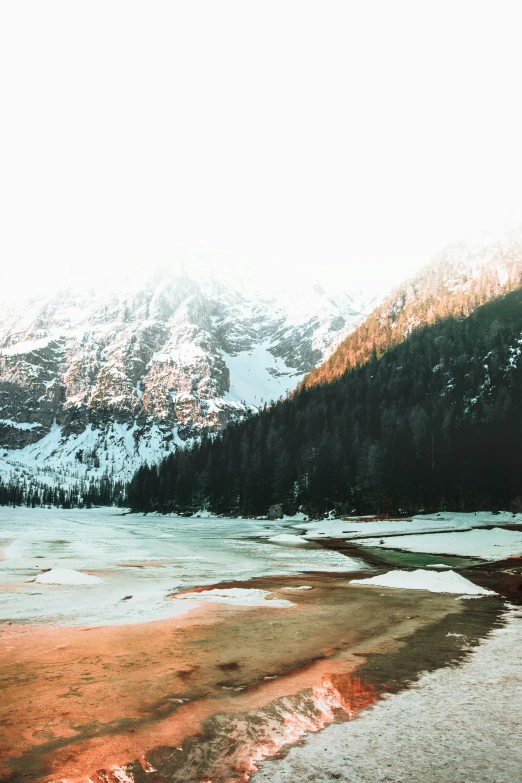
x=502 y=576
x=208 y=694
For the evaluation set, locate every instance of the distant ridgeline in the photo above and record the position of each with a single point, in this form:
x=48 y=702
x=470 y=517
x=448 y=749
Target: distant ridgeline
x=433 y=422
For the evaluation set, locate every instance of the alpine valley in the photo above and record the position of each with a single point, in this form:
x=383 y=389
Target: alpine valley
x=100 y=379
x=260 y=392
x=97 y=381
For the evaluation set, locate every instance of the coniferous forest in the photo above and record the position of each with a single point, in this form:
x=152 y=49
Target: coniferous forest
x=33 y=494
x=433 y=423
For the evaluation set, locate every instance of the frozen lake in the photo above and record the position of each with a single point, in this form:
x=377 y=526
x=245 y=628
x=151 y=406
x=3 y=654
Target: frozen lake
x=140 y=561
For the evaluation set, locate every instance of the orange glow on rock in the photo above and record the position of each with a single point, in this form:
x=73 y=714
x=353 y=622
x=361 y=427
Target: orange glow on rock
x=336 y=693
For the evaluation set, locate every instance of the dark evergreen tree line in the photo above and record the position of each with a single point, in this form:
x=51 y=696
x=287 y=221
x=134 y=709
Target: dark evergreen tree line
x=435 y=422
x=31 y=493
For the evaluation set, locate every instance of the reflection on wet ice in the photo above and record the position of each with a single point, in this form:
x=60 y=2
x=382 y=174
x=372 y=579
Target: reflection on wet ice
x=231 y=745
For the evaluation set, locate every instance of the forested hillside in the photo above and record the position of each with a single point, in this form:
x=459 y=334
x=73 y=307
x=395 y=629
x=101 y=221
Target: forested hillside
x=462 y=277
x=436 y=422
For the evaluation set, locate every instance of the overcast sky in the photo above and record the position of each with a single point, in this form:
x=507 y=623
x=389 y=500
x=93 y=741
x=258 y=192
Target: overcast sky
x=346 y=139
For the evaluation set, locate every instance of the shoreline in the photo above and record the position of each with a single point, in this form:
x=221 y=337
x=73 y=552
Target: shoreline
x=454 y=725
x=110 y=695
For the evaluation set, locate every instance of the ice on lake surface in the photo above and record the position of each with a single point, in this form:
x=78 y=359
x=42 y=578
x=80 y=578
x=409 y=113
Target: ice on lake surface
x=140 y=561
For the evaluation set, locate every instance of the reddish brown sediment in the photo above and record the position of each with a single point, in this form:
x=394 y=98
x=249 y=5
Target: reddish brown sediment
x=502 y=576
x=79 y=699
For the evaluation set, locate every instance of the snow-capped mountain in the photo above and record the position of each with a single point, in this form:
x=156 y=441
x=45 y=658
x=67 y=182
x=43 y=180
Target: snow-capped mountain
x=459 y=279
x=98 y=380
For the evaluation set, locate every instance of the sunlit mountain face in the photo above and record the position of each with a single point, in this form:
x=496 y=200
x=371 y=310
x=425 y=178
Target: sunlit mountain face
x=461 y=277
x=98 y=379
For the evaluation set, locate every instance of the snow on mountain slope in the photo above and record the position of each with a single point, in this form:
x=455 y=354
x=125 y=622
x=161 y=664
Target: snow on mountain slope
x=459 y=279
x=100 y=379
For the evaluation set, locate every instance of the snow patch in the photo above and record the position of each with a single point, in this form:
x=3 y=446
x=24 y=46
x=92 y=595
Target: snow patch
x=237 y=595
x=285 y=538
x=27 y=346
x=257 y=376
x=66 y=576
x=448 y=521
x=448 y=582
x=455 y=724
x=19 y=425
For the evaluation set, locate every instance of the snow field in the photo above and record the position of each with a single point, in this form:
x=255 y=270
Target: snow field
x=495 y=544
x=447 y=521
x=257 y=376
x=449 y=533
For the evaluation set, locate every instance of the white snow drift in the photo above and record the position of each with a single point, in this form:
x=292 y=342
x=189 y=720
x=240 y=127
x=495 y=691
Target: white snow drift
x=448 y=582
x=66 y=576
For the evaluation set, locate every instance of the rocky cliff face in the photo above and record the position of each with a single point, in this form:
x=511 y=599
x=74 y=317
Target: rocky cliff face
x=101 y=379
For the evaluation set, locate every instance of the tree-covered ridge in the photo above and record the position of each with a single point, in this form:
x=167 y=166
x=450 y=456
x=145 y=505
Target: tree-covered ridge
x=461 y=279
x=436 y=422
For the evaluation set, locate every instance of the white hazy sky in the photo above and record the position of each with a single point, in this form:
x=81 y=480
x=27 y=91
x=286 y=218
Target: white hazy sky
x=350 y=139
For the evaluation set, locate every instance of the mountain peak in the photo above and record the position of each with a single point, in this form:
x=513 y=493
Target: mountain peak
x=101 y=378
